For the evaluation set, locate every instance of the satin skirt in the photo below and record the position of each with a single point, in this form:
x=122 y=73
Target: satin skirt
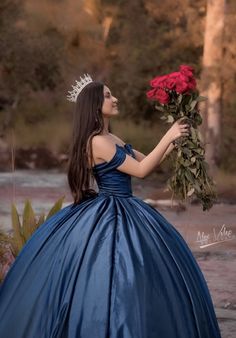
x=110 y=267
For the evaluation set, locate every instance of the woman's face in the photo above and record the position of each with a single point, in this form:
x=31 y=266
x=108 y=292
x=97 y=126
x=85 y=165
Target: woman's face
x=109 y=107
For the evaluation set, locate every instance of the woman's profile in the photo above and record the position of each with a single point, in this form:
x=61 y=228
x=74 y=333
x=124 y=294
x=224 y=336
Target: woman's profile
x=108 y=265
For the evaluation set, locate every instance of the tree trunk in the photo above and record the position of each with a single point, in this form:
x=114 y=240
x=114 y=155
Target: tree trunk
x=212 y=82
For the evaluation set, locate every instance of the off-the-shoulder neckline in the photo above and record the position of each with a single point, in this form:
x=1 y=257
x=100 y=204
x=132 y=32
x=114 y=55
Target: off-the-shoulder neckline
x=117 y=145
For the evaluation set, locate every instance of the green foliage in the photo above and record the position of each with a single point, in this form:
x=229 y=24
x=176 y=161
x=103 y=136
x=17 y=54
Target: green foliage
x=23 y=230
x=190 y=175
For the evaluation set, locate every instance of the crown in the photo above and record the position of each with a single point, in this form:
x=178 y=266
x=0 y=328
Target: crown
x=73 y=94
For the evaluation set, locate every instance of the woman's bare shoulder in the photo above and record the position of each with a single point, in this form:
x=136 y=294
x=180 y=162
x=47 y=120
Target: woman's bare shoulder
x=101 y=139
x=103 y=147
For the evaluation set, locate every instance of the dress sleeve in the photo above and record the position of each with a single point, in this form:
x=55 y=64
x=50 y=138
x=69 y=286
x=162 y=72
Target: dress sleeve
x=129 y=146
x=118 y=158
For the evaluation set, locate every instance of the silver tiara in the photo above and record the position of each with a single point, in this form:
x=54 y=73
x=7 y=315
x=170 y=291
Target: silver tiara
x=73 y=94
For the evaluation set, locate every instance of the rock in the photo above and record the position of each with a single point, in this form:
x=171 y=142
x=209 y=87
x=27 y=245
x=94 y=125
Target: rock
x=225 y=314
x=167 y=203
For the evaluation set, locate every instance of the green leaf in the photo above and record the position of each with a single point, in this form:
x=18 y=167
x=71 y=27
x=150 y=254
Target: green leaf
x=170 y=119
x=17 y=233
x=194 y=134
x=197 y=187
x=22 y=232
x=179 y=153
x=199 y=150
x=193 y=170
x=198 y=173
x=41 y=219
x=28 y=220
x=193 y=104
x=190 y=144
x=190 y=192
x=187 y=151
x=162 y=109
x=198 y=119
x=179 y=98
x=187 y=107
x=201 y=98
x=189 y=176
x=172 y=106
x=187 y=163
x=56 y=207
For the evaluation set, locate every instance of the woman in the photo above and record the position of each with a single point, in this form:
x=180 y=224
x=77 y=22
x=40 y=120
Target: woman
x=109 y=264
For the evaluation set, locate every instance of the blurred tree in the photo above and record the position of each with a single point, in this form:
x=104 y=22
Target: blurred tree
x=28 y=61
x=7 y=102
x=212 y=79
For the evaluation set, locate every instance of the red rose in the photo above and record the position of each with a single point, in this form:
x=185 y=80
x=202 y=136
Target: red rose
x=185 y=83
x=182 y=81
x=170 y=83
x=181 y=86
x=172 y=79
x=174 y=75
x=151 y=94
x=183 y=78
x=162 y=96
x=159 y=81
x=192 y=84
x=186 y=70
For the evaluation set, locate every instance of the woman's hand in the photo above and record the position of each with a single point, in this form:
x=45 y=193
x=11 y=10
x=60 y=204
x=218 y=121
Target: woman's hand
x=178 y=130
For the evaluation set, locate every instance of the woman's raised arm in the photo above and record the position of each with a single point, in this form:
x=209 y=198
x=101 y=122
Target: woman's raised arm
x=106 y=150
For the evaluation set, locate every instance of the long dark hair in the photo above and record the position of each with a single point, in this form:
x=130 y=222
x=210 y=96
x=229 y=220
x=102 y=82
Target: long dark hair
x=87 y=122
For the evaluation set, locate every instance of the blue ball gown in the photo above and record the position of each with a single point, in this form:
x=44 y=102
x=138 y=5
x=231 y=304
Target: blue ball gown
x=109 y=267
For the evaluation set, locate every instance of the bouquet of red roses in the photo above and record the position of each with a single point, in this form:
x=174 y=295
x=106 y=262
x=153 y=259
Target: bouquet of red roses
x=176 y=96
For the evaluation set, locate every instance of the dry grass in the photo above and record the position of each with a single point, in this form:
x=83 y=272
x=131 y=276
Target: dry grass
x=51 y=134
x=56 y=134
x=144 y=136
